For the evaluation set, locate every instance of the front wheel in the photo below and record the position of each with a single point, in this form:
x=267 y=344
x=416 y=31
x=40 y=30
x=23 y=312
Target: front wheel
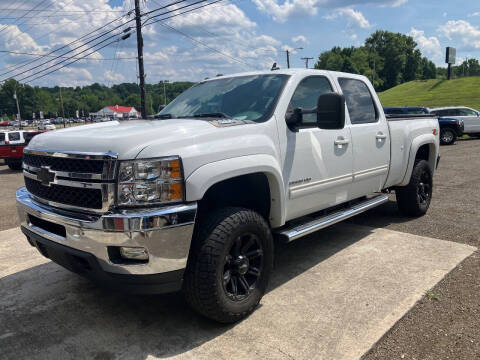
x=414 y=199
x=229 y=264
x=447 y=136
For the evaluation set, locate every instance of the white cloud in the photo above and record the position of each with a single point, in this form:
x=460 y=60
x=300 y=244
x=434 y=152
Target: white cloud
x=290 y=8
x=461 y=31
x=355 y=19
x=429 y=46
x=281 y=11
x=114 y=76
x=300 y=39
x=474 y=14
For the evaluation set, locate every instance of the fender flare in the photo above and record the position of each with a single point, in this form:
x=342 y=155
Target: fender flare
x=425 y=139
x=200 y=180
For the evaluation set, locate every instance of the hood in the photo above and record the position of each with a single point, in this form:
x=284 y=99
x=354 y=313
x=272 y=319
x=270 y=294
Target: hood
x=126 y=138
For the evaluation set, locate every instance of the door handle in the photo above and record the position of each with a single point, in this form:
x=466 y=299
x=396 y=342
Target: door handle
x=341 y=141
x=381 y=136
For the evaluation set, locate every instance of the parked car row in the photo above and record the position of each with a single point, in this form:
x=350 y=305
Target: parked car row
x=453 y=121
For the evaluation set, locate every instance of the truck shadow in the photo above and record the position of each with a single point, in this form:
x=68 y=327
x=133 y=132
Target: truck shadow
x=48 y=312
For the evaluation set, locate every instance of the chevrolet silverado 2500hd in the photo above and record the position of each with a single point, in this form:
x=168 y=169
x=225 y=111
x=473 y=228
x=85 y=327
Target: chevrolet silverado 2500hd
x=193 y=200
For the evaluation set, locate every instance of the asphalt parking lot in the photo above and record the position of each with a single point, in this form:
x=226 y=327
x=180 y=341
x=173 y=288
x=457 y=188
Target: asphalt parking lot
x=47 y=312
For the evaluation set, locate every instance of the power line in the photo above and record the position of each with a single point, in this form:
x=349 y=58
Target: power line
x=64 y=57
x=40 y=3
x=205 y=45
x=88 y=48
x=74 y=61
x=64 y=46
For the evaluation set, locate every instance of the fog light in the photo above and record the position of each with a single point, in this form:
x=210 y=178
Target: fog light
x=133 y=253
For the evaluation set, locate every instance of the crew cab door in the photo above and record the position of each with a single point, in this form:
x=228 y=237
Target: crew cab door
x=370 y=137
x=318 y=162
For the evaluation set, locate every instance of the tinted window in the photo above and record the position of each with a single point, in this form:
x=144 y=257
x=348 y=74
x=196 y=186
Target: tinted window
x=14 y=136
x=467 y=112
x=2 y=137
x=29 y=136
x=306 y=96
x=393 y=111
x=417 y=111
x=359 y=101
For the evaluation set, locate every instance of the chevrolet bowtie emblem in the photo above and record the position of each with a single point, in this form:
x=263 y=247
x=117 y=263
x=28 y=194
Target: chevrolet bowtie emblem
x=45 y=176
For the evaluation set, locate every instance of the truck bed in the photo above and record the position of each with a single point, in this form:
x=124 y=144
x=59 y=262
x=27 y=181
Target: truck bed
x=403 y=130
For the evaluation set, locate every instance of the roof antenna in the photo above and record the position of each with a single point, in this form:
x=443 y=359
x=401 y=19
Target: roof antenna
x=274 y=67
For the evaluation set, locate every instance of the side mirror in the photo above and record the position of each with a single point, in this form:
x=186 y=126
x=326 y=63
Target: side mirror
x=294 y=119
x=331 y=111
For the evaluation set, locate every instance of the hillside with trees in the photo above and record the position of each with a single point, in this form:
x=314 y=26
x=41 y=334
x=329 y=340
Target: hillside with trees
x=387 y=59
x=85 y=99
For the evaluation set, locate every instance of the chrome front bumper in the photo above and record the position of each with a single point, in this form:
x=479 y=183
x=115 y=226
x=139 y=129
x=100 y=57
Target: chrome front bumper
x=165 y=232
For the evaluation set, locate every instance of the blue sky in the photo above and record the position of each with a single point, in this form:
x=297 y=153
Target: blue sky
x=227 y=37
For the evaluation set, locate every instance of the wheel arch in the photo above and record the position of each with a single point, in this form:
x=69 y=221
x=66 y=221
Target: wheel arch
x=247 y=171
x=423 y=147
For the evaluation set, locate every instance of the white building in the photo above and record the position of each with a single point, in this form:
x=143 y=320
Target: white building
x=117 y=112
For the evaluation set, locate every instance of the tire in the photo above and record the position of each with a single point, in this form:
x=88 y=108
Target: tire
x=414 y=199
x=14 y=165
x=448 y=136
x=232 y=243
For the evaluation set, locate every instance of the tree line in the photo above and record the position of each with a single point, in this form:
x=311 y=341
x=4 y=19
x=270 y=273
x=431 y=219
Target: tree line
x=85 y=99
x=390 y=59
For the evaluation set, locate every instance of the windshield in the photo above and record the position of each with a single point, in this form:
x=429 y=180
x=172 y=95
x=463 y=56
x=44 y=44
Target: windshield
x=241 y=98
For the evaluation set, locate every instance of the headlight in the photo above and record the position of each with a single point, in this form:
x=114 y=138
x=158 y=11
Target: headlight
x=153 y=181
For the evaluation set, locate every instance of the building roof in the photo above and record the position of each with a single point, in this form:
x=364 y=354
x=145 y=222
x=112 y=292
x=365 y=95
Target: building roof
x=121 y=109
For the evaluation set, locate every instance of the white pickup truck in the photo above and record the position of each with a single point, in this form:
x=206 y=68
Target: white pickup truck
x=194 y=199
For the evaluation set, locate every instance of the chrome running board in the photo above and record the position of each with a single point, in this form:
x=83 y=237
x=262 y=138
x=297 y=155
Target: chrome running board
x=298 y=230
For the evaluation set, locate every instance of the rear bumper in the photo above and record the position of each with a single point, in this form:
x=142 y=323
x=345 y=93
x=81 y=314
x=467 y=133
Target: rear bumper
x=69 y=237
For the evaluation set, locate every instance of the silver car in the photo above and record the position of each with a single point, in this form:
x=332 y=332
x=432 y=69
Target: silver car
x=470 y=117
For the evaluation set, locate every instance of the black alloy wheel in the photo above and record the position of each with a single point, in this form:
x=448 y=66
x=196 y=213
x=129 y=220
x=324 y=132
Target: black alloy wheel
x=243 y=267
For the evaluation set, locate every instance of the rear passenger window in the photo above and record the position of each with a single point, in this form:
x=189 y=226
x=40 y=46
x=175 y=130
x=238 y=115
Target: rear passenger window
x=14 y=136
x=306 y=96
x=2 y=137
x=359 y=101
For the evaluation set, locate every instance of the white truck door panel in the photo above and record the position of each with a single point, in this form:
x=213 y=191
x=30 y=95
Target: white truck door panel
x=318 y=162
x=320 y=174
x=370 y=138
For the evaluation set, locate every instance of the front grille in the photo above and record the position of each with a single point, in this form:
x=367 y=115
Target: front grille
x=85 y=198
x=65 y=164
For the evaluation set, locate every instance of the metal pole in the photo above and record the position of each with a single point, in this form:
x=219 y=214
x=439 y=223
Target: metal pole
x=306 y=61
x=449 y=71
x=18 y=110
x=164 y=95
x=140 y=59
x=61 y=103
x=288 y=59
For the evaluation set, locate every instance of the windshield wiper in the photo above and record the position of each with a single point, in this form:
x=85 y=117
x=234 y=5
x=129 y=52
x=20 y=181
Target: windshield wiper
x=212 y=115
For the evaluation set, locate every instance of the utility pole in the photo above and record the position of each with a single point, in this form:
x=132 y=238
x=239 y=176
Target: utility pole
x=288 y=55
x=61 y=103
x=164 y=93
x=306 y=61
x=19 y=117
x=140 y=59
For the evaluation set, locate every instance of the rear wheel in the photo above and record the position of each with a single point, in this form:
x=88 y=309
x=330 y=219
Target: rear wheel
x=447 y=136
x=229 y=265
x=414 y=199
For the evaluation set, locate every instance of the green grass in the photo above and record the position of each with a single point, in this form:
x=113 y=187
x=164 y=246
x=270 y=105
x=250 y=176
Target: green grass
x=435 y=93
